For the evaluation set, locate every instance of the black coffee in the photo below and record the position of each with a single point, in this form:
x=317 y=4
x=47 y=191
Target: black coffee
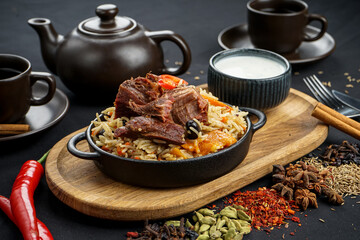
x=8 y=73
x=278 y=10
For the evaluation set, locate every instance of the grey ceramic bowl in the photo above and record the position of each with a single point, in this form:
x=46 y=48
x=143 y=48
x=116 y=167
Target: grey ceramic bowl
x=260 y=93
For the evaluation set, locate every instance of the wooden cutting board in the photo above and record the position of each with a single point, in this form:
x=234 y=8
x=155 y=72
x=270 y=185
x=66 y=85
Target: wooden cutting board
x=290 y=133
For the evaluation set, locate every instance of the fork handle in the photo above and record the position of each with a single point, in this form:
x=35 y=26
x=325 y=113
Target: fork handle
x=337 y=120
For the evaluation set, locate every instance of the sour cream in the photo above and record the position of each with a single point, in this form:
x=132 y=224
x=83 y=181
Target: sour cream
x=250 y=67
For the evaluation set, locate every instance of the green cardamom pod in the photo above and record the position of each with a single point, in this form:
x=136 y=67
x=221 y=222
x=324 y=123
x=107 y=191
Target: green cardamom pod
x=215 y=235
x=231 y=233
x=194 y=218
x=206 y=212
x=208 y=220
x=238 y=236
x=206 y=233
x=239 y=207
x=212 y=229
x=223 y=230
x=188 y=224
x=204 y=227
x=243 y=223
x=237 y=224
x=199 y=216
x=203 y=237
x=245 y=230
x=197 y=227
x=230 y=224
x=243 y=216
x=220 y=223
x=230 y=213
x=173 y=222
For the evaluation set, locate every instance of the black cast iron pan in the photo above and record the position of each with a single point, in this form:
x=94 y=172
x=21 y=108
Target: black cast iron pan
x=165 y=174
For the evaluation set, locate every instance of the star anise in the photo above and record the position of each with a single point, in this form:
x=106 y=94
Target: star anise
x=305 y=198
x=310 y=168
x=333 y=197
x=278 y=169
x=303 y=178
x=317 y=187
x=284 y=190
x=292 y=169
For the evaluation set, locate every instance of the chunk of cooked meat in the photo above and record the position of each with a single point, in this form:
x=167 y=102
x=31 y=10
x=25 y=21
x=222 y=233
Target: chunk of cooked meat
x=160 y=108
x=188 y=104
x=139 y=90
x=162 y=114
x=152 y=128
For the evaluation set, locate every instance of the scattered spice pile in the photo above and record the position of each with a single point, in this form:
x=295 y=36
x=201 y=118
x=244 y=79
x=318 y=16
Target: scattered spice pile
x=345 y=153
x=302 y=182
x=169 y=230
x=345 y=179
x=230 y=223
x=265 y=207
x=342 y=161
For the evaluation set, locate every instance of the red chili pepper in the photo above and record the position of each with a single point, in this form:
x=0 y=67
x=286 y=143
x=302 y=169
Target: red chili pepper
x=170 y=82
x=21 y=198
x=5 y=205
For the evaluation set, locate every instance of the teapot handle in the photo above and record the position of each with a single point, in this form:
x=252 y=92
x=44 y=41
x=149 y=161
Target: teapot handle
x=159 y=36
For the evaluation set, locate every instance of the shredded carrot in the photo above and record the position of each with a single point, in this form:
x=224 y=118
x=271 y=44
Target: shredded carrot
x=215 y=102
x=105 y=148
x=224 y=119
x=119 y=150
x=176 y=151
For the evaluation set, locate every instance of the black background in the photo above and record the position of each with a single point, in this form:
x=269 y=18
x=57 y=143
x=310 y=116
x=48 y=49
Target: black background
x=199 y=22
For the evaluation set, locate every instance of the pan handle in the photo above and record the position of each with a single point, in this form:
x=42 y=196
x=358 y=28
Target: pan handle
x=259 y=114
x=71 y=146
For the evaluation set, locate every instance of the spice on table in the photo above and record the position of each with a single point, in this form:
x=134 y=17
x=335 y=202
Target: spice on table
x=301 y=182
x=304 y=198
x=5 y=206
x=170 y=230
x=345 y=153
x=265 y=207
x=337 y=120
x=12 y=129
x=21 y=198
x=230 y=223
x=344 y=179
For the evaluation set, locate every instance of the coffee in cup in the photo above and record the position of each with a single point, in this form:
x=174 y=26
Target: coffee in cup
x=16 y=81
x=279 y=25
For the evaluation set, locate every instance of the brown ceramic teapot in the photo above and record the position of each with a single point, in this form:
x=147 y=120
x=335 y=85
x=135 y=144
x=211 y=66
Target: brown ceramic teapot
x=104 y=51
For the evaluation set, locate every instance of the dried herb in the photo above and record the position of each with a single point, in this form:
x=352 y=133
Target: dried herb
x=265 y=207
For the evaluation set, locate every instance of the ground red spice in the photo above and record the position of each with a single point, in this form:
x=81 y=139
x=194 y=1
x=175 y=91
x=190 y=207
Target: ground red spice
x=295 y=219
x=265 y=206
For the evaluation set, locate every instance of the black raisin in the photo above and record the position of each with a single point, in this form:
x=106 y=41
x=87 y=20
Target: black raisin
x=190 y=126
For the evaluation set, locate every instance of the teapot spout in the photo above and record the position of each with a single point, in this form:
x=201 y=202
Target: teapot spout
x=49 y=40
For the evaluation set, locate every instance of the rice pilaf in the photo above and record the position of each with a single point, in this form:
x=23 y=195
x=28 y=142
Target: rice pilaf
x=227 y=122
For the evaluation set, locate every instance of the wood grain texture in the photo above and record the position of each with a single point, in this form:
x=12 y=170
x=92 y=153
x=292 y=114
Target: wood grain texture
x=290 y=132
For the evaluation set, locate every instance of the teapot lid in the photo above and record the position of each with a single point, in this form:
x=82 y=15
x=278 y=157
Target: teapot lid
x=107 y=23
